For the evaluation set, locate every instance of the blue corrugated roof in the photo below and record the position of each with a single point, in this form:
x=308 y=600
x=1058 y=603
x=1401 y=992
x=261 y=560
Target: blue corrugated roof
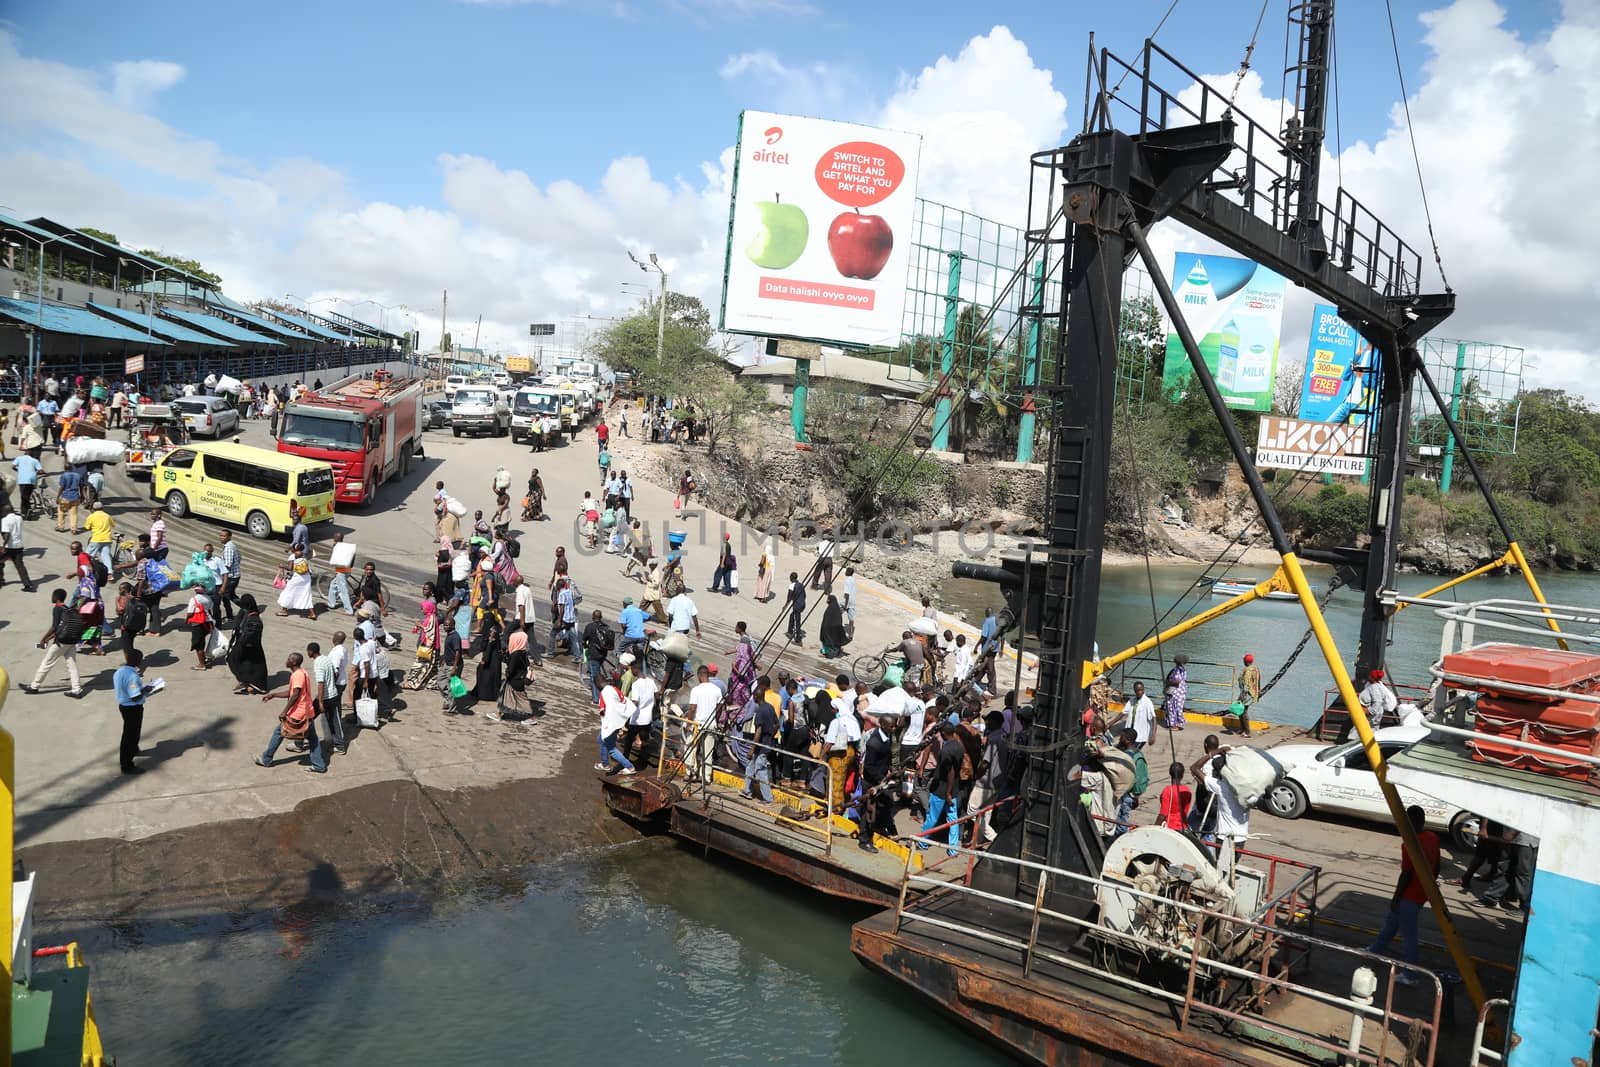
x=51 y=240
x=203 y=295
x=310 y=327
x=222 y=327
x=58 y=318
x=162 y=327
x=267 y=324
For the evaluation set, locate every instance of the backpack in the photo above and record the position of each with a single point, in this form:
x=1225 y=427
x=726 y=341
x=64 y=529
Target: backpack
x=601 y=641
x=70 y=627
x=101 y=575
x=514 y=548
x=819 y=710
x=155 y=576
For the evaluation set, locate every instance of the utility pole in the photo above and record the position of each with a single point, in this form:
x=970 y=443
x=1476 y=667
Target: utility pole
x=661 y=310
x=444 y=320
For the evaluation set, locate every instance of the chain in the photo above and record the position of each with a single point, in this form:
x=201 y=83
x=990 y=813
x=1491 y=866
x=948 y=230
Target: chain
x=1333 y=584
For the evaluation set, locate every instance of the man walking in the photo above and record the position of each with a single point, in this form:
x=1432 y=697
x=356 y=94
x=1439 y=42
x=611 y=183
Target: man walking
x=11 y=548
x=682 y=614
x=1405 y=906
x=228 y=583
x=597 y=644
x=1144 y=716
x=69 y=494
x=29 y=470
x=758 y=774
x=131 y=695
x=99 y=526
x=60 y=642
x=796 y=603
x=325 y=694
x=300 y=710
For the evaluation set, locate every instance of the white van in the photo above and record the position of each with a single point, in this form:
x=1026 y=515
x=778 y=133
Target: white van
x=532 y=402
x=451 y=384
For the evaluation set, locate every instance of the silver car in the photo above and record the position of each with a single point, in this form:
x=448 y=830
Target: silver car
x=207 y=416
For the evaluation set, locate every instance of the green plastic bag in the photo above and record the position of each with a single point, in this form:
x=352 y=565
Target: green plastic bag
x=458 y=687
x=895 y=673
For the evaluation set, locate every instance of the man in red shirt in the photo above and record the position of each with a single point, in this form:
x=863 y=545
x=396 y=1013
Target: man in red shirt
x=1405 y=908
x=602 y=433
x=300 y=709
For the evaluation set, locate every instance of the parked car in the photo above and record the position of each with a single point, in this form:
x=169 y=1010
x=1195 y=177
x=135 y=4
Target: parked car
x=1339 y=778
x=207 y=416
x=436 y=415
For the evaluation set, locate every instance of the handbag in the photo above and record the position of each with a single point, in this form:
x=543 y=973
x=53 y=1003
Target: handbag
x=733 y=579
x=293 y=728
x=280 y=581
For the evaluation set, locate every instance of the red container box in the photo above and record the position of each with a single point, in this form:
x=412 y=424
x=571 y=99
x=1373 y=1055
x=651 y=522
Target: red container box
x=1549 y=668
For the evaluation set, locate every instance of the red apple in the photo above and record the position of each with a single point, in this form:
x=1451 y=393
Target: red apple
x=860 y=244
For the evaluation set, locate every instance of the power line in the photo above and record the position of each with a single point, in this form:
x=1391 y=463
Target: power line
x=1416 y=157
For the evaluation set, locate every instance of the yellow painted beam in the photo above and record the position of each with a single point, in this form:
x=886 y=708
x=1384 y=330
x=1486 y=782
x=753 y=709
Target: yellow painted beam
x=1397 y=811
x=1515 y=551
x=1507 y=560
x=1092 y=669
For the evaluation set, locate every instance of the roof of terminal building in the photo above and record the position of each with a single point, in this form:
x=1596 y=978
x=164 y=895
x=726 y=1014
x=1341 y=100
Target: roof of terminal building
x=74 y=321
x=162 y=327
x=221 y=327
x=110 y=249
x=250 y=318
x=299 y=323
x=182 y=290
x=39 y=234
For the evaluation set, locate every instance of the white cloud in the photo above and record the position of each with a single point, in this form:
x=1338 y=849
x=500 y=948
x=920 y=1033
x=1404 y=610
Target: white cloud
x=1509 y=130
x=981 y=114
x=134 y=83
x=808 y=89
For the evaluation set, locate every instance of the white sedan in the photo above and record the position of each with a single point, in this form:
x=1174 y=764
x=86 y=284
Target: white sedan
x=1339 y=778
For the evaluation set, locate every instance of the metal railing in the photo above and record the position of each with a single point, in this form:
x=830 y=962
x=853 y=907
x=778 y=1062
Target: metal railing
x=702 y=740
x=1481 y=1055
x=1278 y=950
x=1218 y=684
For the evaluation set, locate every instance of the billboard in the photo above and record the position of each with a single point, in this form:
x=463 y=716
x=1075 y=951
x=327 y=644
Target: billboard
x=1311 y=447
x=1235 y=309
x=1340 y=366
x=819 y=230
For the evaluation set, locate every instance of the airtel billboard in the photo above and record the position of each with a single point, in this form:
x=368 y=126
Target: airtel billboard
x=819 y=230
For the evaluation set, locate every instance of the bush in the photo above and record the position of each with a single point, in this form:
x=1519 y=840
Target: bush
x=1334 y=517
x=907 y=479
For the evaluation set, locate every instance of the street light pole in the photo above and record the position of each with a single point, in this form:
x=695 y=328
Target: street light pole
x=661 y=312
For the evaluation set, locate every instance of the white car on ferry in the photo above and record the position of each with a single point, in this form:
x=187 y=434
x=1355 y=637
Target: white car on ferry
x=1338 y=778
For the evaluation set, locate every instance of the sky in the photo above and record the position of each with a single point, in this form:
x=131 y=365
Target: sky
x=515 y=152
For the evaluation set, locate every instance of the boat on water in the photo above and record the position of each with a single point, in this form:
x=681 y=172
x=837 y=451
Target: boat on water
x=1227 y=587
x=50 y=1017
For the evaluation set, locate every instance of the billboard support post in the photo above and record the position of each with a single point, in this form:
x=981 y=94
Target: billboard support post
x=947 y=354
x=1030 y=369
x=797 y=406
x=1455 y=414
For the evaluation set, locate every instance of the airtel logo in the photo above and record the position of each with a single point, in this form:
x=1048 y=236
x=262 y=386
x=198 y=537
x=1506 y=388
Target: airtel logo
x=774 y=134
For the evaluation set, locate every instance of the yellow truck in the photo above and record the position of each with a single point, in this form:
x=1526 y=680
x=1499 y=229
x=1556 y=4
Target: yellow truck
x=519 y=364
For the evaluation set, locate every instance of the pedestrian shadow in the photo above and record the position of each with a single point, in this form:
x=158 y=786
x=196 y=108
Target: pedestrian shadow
x=103 y=784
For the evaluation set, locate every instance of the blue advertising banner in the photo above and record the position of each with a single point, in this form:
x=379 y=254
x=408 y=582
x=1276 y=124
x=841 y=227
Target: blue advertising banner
x=1235 y=309
x=1341 y=371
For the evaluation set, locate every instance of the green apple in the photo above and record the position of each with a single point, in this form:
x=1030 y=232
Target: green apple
x=781 y=237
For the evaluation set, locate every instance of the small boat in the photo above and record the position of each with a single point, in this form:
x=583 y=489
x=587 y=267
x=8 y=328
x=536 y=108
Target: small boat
x=1230 y=588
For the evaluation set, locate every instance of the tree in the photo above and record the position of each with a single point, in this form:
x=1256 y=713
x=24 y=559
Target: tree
x=189 y=266
x=1289 y=387
x=721 y=402
x=109 y=238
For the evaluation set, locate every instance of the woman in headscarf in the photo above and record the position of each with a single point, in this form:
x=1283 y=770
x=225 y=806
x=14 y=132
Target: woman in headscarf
x=514 y=703
x=297 y=594
x=742 y=679
x=427 y=630
x=535 y=495
x=443 y=581
x=491 y=662
x=764 y=575
x=246 y=658
x=833 y=633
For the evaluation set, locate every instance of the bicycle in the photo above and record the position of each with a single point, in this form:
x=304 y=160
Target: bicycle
x=42 y=503
x=352 y=584
x=871 y=668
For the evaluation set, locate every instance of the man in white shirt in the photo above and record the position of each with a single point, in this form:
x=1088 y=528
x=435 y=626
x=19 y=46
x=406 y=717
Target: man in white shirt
x=848 y=596
x=905 y=703
x=823 y=577
x=641 y=712
x=1144 y=716
x=961 y=659
x=1230 y=819
x=326 y=694
x=523 y=604
x=339 y=660
x=613 y=717
x=681 y=614
x=704 y=700
x=11 y=549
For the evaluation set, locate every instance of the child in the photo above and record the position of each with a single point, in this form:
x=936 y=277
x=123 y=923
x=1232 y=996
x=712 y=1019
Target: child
x=1175 y=800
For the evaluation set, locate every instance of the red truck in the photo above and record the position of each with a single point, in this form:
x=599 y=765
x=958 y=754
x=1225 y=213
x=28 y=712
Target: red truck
x=368 y=428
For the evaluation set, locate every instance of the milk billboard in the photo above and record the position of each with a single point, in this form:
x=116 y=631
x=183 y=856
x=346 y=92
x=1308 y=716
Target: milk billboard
x=1234 y=308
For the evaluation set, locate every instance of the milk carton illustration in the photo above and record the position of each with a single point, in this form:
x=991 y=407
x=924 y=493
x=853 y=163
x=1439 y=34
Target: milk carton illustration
x=1229 y=375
